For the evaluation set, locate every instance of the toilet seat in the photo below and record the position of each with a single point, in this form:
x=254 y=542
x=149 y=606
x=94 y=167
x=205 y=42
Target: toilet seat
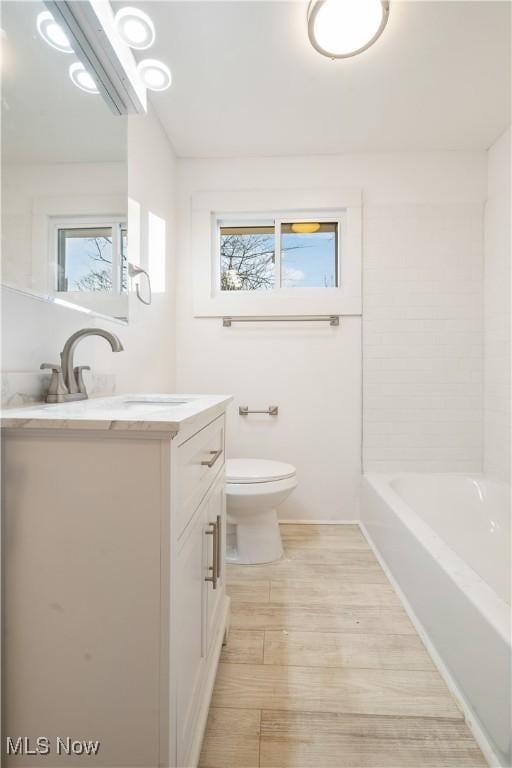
x=241 y=471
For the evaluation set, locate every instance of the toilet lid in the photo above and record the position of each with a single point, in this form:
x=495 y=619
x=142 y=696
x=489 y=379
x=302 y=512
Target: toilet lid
x=257 y=470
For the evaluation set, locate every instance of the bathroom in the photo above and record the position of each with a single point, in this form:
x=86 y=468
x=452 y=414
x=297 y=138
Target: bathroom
x=257 y=514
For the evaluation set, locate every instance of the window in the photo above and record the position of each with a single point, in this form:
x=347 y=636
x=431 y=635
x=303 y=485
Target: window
x=92 y=258
x=278 y=253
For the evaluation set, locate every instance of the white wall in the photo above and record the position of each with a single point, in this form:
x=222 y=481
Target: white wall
x=422 y=236
x=34 y=331
x=497 y=312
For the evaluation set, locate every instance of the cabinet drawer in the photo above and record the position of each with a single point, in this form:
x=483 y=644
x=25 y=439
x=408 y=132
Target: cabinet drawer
x=199 y=460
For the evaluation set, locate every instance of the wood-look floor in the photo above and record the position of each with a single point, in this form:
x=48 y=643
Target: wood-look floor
x=323 y=668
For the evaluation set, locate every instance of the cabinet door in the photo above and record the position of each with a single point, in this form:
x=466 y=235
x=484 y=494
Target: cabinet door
x=215 y=517
x=190 y=574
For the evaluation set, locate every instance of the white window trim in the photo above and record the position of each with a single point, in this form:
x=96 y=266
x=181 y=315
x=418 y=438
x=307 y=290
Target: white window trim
x=116 y=223
x=342 y=205
x=69 y=207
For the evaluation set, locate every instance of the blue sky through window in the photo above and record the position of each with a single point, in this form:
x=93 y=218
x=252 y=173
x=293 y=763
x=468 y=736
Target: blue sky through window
x=308 y=260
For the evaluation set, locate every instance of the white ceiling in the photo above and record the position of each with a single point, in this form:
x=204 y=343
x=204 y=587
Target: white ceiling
x=247 y=81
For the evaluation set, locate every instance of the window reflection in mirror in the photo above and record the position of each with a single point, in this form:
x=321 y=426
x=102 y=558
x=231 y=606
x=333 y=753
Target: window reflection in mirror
x=64 y=175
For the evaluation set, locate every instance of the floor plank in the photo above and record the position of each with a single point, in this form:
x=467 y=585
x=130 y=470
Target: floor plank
x=257 y=591
x=360 y=619
x=243 y=647
x=317 y=689
x=328 y=553
x=331 y=593
x=231 y=739
x=312 y=740
x=330 y=649
x=347 y=568
x=340 y=537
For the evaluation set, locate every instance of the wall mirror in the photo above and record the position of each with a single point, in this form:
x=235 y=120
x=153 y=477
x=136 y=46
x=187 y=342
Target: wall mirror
x=64 y=171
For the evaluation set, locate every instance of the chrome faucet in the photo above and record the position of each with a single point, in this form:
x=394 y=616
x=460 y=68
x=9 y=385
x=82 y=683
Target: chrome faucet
x=67 y=382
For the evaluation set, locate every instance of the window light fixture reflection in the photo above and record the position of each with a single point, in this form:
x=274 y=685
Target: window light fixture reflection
x=305 y=227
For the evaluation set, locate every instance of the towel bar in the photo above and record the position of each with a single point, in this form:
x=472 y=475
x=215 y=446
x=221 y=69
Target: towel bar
x=333 y=320
x=272 y=410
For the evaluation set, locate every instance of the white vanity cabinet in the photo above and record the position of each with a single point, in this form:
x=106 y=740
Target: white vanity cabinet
x=200 y=557
x=115 y=606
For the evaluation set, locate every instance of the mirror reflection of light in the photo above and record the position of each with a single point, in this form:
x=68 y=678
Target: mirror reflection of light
x=70 y=305
x=52 y=33
x=154 y=74
x=156 y=252
x=478 y=489
x=82 y=78
x=135 y=28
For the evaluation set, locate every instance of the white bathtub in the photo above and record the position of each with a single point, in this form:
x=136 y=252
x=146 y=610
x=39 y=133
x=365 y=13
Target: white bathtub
x=445 y=540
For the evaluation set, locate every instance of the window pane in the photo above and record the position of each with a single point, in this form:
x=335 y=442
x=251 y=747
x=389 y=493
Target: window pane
x=247 y=257
x=309 y=255
x=85 y=259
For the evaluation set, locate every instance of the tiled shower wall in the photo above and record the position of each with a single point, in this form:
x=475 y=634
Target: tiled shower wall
x=423 y=337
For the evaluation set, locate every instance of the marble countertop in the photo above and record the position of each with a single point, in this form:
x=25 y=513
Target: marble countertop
x=138 y=413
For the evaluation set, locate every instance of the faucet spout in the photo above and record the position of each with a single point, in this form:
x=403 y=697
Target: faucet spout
x=67 y=356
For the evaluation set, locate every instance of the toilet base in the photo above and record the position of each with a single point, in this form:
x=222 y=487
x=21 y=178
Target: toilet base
x=258 y=540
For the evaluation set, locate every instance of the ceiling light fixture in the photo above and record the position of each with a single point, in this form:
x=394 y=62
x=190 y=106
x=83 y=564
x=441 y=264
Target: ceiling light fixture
x=82 y=78
x=155 y=75
x=342 y=28
x=305 y=227
x=52 y=33
x=135 y=28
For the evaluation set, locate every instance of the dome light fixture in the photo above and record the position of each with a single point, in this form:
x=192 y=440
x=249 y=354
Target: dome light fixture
x=305 y=227
x=52 y=33
x=155 y=75
x=135 y=28
x=82 y=78
x=342 y=28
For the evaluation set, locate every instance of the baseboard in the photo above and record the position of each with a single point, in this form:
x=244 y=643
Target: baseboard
x=469 y=716
x=318 y=522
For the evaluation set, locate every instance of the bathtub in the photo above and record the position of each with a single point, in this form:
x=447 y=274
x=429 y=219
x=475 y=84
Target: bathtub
x=444 y=540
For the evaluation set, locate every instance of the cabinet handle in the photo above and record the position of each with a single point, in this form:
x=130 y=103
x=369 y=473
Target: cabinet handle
x=214 y=458
x=219 y=545
x=213 y=568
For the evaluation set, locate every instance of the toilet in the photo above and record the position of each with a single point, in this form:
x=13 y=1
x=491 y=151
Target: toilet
x=254 y=489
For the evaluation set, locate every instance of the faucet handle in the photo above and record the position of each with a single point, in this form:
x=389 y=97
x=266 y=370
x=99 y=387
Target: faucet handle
x=79 y=377
x=57 y=387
